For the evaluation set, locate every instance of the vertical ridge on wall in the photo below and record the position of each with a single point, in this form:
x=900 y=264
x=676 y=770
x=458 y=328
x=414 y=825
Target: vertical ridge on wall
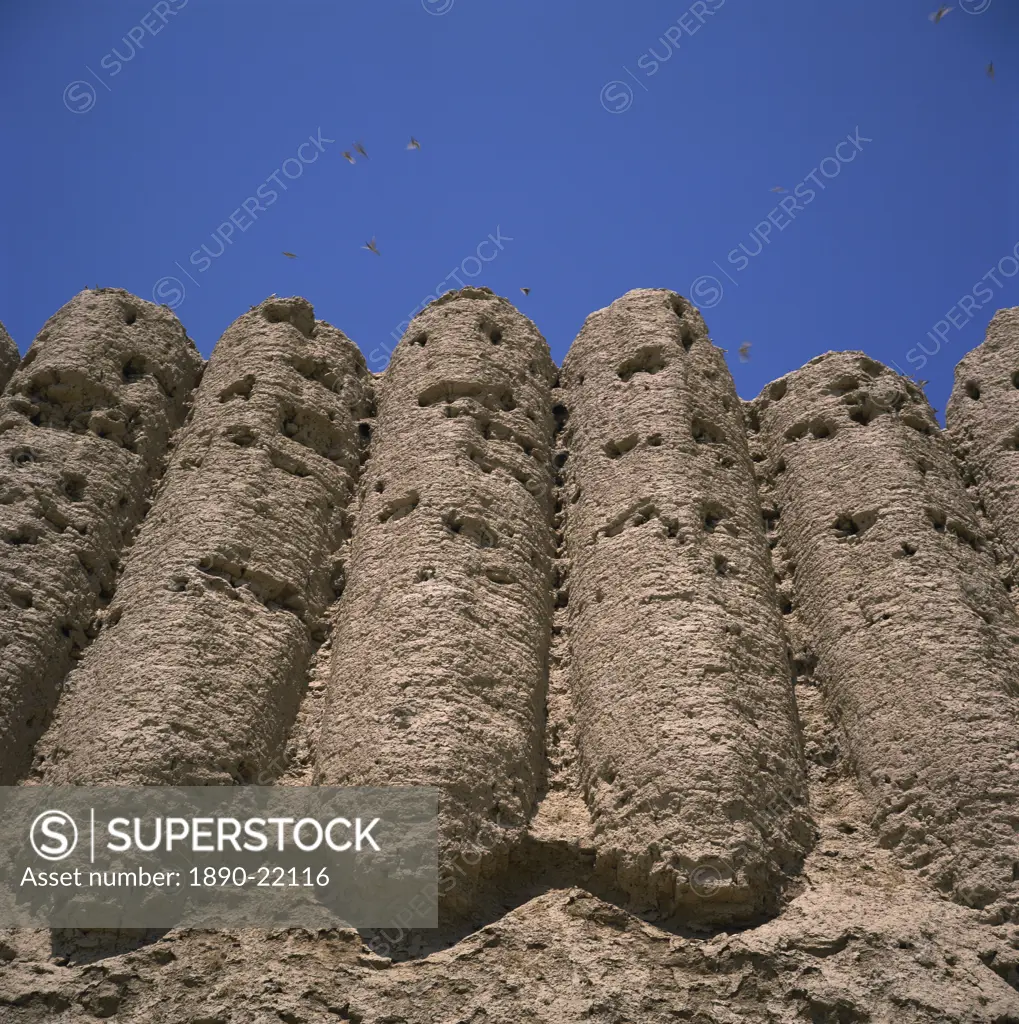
x=441 y=653
x=197 y=675
x=983 y=421
x=907 y=626
x=690 y=756
x=9 y=357
x=85 y=424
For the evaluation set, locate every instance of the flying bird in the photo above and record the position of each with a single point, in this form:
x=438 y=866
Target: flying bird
x=360 y=148
x=348 y=156
x=290 y=255
x=990 y=71
x=937 y=15
x=526 y=291
x=372 y=247
x=413 y=144
x=779 y=188
x=744 y=352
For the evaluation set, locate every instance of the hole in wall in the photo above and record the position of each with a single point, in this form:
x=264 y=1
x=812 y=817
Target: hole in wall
x=706 y=433
x=73 y=486
x=713 y=515
x=844 y=384
x=242 y=436
x=133 y=370
x=23 y=456
x=853 y=524
x=493 y=333
x=616 y=449
x=21 y=535
x=238 y=389
x=648 y=360
x=400 y=507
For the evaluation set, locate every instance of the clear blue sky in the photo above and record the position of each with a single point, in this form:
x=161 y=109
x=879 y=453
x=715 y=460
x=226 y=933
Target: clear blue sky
x=133 y=130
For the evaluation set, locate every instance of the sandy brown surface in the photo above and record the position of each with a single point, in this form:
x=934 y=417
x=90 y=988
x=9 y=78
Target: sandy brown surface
x=720 y=696
x=9 y=357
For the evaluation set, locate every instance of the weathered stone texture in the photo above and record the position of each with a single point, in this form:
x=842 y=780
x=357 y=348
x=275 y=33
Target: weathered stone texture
x=863 y=943
x=904 y=621
x=196 y=677
x=685 y=719
x=440 y=657
x=720 y=697
x=9 y=357
x=983 y=420
x=85 y=424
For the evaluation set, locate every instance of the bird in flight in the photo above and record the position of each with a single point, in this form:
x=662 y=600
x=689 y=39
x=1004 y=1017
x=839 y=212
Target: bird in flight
x=990 y=71
x=359 y=146
x=372 y=247
x=348 y=156
x=744 y=352
x=290 y=255
x=526 y=291
x=779 y=188
x=413 y=144
x=937 y=15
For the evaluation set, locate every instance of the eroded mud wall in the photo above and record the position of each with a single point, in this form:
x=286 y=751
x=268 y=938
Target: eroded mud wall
x=690 y=758
x=440 y=658
x=905 y=624
x=9 y=357
x=197 y=674
x=85 y=424
x=983 y=419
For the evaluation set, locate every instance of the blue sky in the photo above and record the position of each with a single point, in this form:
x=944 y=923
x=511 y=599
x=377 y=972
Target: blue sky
x=602 y=145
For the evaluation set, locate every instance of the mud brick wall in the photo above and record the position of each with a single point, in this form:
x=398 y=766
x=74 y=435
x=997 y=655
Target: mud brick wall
x=720 y=697
x=905 y=622
x=441 y=653
x=983 y=420
x=85 y=426
x=197 y=675
x=9 y=357
x=686 y=728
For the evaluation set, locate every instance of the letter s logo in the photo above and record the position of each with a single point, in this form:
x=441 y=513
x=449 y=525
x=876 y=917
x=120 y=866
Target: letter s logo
x=55 y=826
